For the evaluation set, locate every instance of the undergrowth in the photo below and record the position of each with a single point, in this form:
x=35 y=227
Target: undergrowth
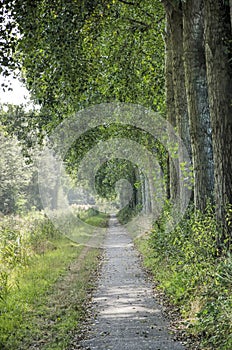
x=127 y=213
x=33 y=257
x=188 y=267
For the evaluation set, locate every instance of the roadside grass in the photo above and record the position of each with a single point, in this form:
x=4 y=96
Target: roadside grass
x=94 y=218
x=194 y=276
x=44 y=299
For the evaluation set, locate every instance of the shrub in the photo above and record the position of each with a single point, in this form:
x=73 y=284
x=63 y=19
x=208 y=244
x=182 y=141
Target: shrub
x=189 y=268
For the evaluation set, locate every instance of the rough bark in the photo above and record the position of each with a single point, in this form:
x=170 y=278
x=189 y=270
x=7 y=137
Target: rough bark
x=181 y=107
x=219 y=75
x=198 y=105
x=178 y=113
x=179 y=79
x=170 y=110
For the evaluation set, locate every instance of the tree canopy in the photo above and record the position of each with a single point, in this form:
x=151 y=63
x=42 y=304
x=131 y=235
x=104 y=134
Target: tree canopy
x=170 y=56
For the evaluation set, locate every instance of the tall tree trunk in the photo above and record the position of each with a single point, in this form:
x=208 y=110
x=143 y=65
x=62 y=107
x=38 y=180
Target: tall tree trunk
x=176 y=93
x=219 y=74
x=179 y=79
x=181 y=107
x=198 y=106
x=170 y=110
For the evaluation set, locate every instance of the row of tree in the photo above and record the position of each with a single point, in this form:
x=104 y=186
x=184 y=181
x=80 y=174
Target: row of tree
x=77 y=53
x=199 y=96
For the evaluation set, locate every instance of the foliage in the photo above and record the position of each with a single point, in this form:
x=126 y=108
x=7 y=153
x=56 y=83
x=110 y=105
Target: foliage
x=18 y=177
x=8 y=40
x=14 y=174
x=77 y=53
x=80 y=53
x=214 y=321
x=110 y=172
x=106 y=37
x=23 y=125
x=188 y=267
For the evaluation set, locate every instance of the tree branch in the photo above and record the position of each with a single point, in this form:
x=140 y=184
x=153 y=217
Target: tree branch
x=135 y=21
x=127 y=2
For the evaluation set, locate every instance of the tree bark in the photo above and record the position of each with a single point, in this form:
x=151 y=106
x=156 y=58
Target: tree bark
x=170 y=110
x=176 y=99
x=219 y=75
x=197 y=97
x=181 y=107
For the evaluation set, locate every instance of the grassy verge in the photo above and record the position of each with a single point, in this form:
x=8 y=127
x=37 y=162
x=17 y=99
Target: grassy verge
x=44 y=298
x=188 y=268
x=94 y=218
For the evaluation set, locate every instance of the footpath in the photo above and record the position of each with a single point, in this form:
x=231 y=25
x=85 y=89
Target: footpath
x=124 y=313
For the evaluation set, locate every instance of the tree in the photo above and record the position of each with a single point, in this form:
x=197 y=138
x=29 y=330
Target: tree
x=114 y=42
x=15 y=175
x=19 y=151
x=177 y=110
x=79 y=53
x=173 y=173
x=198 y=105
x=8 y=40
x=219 y=76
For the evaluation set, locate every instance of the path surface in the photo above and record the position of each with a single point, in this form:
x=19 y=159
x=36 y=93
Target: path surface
x=126 y=315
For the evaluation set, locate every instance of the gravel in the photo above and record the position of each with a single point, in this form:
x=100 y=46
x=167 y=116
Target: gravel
x=124 y=312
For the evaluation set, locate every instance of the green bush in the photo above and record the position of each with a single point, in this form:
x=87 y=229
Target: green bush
x=215 y=317
x=192 y=272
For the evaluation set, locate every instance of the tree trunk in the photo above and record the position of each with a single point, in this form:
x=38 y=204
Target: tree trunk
x=143 y=191
x=181 y=107
x=176 y=95
x=171 y=113
x=179 y=79
x=231 y=13
x=198 y=106
x=219 y=75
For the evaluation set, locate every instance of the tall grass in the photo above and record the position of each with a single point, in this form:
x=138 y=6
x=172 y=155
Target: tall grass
x=33 y=256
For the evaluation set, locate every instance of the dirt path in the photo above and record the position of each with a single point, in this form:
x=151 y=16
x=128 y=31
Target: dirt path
x=125 y=314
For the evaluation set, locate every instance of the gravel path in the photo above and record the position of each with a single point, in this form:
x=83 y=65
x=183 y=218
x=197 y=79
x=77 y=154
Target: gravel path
x=126 y=314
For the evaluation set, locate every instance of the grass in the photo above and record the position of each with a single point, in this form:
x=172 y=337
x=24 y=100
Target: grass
x=46 y=297
x=27 y=307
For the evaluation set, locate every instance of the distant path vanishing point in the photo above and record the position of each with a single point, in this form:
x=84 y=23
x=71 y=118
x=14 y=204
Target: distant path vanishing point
x=125 y=314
